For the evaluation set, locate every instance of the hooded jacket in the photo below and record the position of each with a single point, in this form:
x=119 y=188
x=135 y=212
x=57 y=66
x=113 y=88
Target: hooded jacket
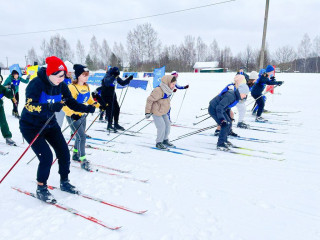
x=158 y=103
x=40 y=93
x=16 y=82
x=109 y=82
x=4 y=92
x=260 y=85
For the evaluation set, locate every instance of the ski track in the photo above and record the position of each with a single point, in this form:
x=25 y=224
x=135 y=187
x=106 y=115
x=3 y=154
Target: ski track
x=224 y=197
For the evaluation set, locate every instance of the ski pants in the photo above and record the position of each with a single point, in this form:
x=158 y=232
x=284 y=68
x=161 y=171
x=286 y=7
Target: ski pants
x=113 y=109
x=224 y=132
x=60 y=117
x=53 y=136
x=80 y=143
x=4 y=124
x=242 y=108
x=163 y=126
x=260 y=102
x=15 y=105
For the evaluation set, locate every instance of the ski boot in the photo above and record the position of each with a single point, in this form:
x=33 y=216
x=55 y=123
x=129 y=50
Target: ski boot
x=233 y=134
x=216 y=133
x=16 y=114
x=168 y=144
x=85 y=164
x=75 y=155
x=243 y=125
x=111 y=129
x=261 y=119
x=118 y=127
x=44 y=195
x=161 y=146
x=88 y=136
x=223 y=147
x=67 y=187
x=229 y=144
x=10 y=142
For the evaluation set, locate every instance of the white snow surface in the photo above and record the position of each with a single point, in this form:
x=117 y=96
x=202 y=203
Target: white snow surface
x=222 y=196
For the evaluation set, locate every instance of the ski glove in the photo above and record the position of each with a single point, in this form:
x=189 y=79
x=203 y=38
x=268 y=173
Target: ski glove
x=186 y=87
x=55 y=107
x=75 y=117
x=90 y=109
x=174 y=90
x=129 y=78
x=148 y=115
x=280 y=83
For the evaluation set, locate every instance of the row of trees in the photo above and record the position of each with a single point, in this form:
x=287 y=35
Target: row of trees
x=144 y=51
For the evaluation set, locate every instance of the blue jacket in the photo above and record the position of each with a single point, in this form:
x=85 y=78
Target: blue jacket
x=108 y=84
x=260 y=85
x=40 y=93
x=222 y=102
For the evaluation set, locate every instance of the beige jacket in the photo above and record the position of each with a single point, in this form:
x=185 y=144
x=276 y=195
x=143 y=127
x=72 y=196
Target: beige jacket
x=155 y=102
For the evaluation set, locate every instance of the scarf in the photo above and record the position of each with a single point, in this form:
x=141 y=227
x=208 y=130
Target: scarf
x=165 y=88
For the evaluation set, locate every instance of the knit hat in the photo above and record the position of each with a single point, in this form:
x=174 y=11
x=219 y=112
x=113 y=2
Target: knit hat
x=261 y=72
x=269 y=68
x=79 y=69
x=55 y=64
x=243 y=88
x=239 y=79
x=69 y=65
x=175 y=73
x=114 y=71
x=253 y=75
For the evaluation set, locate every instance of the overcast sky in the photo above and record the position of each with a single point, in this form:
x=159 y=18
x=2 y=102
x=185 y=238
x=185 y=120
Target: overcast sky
x=234 y=24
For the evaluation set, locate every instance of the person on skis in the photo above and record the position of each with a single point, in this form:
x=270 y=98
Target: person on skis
x=109 y=96
x=45 y=95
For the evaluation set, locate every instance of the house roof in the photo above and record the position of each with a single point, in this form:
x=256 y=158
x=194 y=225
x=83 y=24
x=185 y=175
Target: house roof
x=206 y=64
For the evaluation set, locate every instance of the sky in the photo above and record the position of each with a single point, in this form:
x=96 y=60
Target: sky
x=234 y=24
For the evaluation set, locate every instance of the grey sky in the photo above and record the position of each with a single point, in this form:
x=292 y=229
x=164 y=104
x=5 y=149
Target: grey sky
x=233 y=24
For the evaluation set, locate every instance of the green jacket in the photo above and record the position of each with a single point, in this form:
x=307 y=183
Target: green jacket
x=5 y=92
x=10 y=79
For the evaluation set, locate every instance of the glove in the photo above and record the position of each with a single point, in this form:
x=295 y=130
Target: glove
x=174 y=90
x=224 y=123
x=280 y=83
x=103 y=108
x=186 y=87
x=148 y=115
x=130 y=78
x=55 y=107
x=273 y=78
x=75 y=117
x=28 y=77
x=90 y=109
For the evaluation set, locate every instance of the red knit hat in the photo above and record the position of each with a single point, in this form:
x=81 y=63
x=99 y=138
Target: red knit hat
x=55 y=64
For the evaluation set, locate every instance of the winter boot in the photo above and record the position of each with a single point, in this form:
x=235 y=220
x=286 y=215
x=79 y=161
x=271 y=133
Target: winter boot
x=243 y=125
x=85 y=164
x=67 y=187
x=254 y=112
x=233 y=134
x=75 y=155
x=44 y=195
x=110 y=128
x=88 y=136
x=10 y=142
x=161 y=146
x=118 y=127
x=229 y=144
x=223 y=147
x=261 y=119
x=168 y=144
x=217 y=132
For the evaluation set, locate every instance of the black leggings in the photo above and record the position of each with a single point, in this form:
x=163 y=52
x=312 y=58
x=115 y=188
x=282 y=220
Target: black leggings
x=113 y=109
x=15 y=106
x=260 y=103
x=54 y=137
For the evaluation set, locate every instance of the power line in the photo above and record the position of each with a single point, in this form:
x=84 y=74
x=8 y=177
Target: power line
x=119 y=21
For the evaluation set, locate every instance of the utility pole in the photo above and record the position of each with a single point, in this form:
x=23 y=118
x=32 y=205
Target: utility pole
x=26 y=58
x=263 y=46
x=7 y=63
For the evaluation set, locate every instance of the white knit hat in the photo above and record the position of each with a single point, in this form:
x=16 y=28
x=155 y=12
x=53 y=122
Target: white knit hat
x=243 y=88
x=69 y=65
x=253 y=75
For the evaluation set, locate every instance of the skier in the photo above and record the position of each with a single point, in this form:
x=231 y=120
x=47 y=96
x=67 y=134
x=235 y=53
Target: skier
x=81 y=92
x=176 y=75
x=45 y=95
x=241 y=72
x=14 y=80
x=158 y=106
x=109 y=96
x=241 y=106
x=68 y=80
x=219 y=110
x=8 y=93
x=258 y=87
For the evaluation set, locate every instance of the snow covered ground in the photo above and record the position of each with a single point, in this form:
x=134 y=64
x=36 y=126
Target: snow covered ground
x=201 y=194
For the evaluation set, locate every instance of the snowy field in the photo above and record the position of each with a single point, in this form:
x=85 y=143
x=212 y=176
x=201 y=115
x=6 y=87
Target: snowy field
x=200 y=194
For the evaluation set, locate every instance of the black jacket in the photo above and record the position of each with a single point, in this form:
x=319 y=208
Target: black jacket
x=40 y=93
x=260 y=84
x=108 y=84
x=222 y=102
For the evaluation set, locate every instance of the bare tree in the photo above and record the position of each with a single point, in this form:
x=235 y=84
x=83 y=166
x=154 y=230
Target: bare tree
x=189 y=50
x=120 y=53
x=94 y=52
x=304 y=50
x=284 y=56
x=151 y=41
x=248 y=58
x=32 y=56
x=81 y=55
x=105 y=52
x=201 y=50
x=214 y=54
x=316 y=49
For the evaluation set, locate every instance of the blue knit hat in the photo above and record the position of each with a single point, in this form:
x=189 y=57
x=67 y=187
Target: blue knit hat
x=269 y=68
x=261 y=72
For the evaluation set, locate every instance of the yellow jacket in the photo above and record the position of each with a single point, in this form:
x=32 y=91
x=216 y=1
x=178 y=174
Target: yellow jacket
x=82 y=94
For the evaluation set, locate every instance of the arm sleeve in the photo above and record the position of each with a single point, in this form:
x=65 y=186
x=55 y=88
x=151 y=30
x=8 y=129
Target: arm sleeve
x=6 y=92
x=154 y=96
x=179 y=87
x=123 y=82
x=70 y=101
x=108 y=80
x=25 y=80
x=7 y=81
x=225 y=102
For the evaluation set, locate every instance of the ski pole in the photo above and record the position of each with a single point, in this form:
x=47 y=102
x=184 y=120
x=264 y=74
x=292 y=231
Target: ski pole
x=203 y=109
x=201 y=121
x=121 y=94
x=35 y=138
x=202 y=115
x=124 y=96
x=193 y=133
x=125 y=130
x=75 y=132
x=182 y=103
x=144 y=126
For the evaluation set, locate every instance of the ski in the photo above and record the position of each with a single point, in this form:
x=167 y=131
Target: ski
x=107 y=150
x=113 y=169
x=106 y=131
x=3 y=153
x=114 y=174
x=70 y=210
x=103 y=202
x=255 y=139
x=254 y=150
